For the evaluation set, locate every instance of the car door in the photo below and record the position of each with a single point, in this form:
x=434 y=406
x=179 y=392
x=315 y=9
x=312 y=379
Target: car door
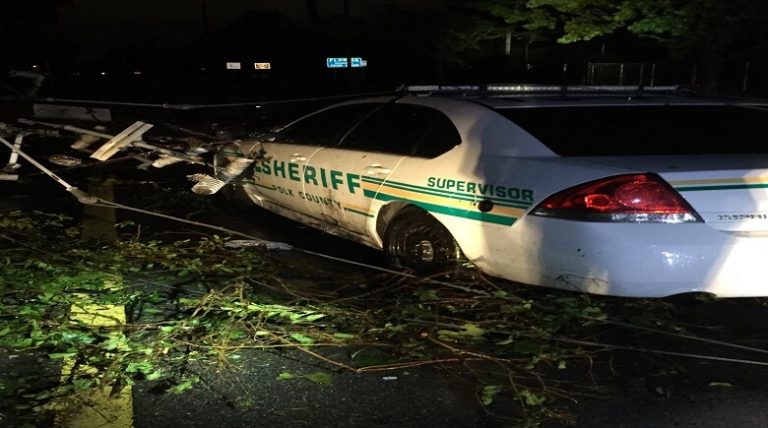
x=281 y=177
x=365 y=159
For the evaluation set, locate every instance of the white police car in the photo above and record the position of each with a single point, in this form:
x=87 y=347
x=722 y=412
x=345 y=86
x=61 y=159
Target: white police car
x=619 y=191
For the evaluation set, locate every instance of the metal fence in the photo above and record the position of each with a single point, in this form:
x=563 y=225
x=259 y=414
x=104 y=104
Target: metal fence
x=747 y=79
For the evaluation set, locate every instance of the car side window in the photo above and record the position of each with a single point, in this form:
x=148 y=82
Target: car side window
x=403 y=129
x=440 y=137
x=325 y=127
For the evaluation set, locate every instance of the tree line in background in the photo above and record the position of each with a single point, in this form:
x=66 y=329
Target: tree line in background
x=718 y=39
x=712 y=33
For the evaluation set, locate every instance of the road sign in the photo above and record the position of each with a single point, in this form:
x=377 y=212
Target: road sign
x=358 y=62
x=336 y=62
x=262 y=65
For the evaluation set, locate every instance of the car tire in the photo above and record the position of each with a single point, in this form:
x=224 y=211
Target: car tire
x=417 y=240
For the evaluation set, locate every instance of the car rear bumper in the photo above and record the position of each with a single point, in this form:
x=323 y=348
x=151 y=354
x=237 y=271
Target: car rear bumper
x=633 y=260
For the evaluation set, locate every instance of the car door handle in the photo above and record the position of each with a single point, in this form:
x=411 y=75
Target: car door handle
x=298 y=157
x=377 y=169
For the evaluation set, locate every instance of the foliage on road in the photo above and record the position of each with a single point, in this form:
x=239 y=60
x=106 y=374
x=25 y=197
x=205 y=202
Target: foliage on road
x=193 y=299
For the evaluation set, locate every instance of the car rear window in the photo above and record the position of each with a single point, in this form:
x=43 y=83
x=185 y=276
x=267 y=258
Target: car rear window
x=646 y=130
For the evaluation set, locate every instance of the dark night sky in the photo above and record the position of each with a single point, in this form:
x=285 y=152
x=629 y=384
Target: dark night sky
x=403 y=41
x=181 y=46
x=88 y=27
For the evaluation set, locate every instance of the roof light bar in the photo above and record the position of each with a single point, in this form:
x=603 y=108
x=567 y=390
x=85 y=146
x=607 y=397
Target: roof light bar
x=534 y=88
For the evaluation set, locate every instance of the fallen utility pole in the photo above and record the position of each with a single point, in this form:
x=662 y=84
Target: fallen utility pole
x=13 y=162
x=79 y=194
x=136 y=142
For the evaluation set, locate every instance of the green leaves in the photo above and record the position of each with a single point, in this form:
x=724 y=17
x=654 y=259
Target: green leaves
x=489 y=392
x=146 y=367
x=185 y=385
x=292 y=314
x=38 y=288
x=468 y=331
x=196 y=299
x=682 y=23
x=531 y=398
x=302 y=339
x=321 y=378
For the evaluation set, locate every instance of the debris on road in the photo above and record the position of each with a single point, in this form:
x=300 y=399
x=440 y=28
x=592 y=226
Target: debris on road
x=245 y=243
x=121 y=140
x=183 y=150
x=64 y=160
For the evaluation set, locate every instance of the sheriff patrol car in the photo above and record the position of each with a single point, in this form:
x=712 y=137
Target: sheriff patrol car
x=612 y=190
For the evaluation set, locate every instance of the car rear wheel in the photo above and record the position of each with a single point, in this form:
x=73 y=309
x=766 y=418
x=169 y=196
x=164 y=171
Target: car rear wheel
x=416 y=240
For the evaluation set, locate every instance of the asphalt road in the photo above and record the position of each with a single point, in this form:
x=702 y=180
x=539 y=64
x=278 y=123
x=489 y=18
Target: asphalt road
x=617 y=388
x=248 y=394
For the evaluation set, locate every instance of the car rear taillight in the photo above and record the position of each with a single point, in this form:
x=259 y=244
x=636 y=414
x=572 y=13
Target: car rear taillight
x=632 y=198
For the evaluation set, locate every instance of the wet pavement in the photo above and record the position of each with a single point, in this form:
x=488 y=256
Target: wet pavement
x=247 y=394
x=629 y=389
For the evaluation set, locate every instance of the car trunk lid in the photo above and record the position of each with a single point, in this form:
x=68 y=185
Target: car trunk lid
x=729 y=192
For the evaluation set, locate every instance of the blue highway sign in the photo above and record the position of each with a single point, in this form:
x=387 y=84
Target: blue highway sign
x=337 y=62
